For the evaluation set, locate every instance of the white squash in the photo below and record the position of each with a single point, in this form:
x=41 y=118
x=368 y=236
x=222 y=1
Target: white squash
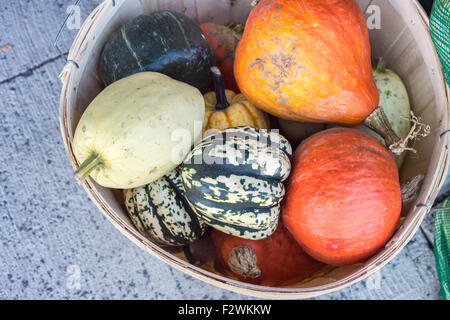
x=395 y=103
x=137 y=130
x=393 y=99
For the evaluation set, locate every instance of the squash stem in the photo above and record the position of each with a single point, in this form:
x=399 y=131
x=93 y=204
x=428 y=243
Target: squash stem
x=378 y=122
x=93 y=161
x=381 y=66
x=221 y=98
x=242 y=261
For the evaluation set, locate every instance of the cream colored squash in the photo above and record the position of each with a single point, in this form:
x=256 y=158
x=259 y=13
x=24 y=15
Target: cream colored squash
x=137 y=130
x=395 y=102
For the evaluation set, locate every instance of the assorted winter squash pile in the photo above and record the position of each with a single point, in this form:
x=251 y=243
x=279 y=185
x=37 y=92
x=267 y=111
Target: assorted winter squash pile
x=189 y=123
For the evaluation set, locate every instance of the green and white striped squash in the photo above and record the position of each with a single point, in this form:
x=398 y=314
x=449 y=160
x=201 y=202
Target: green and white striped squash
x=234 y=180
x=161 y=213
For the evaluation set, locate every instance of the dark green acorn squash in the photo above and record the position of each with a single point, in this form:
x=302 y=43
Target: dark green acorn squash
x=234 y=180
x=160 y=212
x=165 y=41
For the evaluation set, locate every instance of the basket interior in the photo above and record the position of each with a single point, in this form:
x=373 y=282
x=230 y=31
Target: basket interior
x=397 y=42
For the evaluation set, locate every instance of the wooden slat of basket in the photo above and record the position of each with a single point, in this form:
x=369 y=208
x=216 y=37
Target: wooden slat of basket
x=390 y=20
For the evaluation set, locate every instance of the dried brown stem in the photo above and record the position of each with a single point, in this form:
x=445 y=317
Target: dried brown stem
x=378 y=122
x=418 y=129
x=242 y=260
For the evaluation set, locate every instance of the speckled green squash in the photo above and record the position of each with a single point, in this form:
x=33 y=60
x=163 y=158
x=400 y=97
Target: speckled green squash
x=160 y=212
x=165 y=41
x=234 y=179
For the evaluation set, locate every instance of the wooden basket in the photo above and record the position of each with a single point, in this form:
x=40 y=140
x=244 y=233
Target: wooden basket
x=403 y=41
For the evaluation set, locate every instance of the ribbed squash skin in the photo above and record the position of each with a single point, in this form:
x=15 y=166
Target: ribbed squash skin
x=234 y=180
x=343 y=198
x=239 y=113
x=160 y=212
x=307 y=61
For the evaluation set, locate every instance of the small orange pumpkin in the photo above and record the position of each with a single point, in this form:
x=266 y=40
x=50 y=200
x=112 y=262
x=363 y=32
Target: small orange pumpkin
x=307 y=61
x=226 y=109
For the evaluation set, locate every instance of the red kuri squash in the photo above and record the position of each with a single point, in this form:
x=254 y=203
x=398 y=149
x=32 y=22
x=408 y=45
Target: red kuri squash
x=343 y=198
x=276 y=260
x=223 y=41
x=307 y=60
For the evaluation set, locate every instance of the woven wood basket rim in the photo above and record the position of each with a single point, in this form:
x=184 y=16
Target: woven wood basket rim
x=70 y=76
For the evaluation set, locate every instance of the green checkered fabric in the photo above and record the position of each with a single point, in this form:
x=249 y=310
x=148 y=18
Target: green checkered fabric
x=442 y=247
x=440 y=32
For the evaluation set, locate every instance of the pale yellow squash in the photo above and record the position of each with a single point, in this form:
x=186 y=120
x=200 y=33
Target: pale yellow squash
x=137 y=130
x=395 y=102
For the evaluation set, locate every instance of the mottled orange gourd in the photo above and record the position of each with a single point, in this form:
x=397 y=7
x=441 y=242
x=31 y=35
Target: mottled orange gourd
x=279 y=259
x=343 y=198
x=223 y=41
x=307 y=60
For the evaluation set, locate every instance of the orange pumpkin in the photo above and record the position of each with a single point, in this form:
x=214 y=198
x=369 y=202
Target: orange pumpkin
x=223 y=41
x=343 y=198
x=307 y=60
x=274 y=261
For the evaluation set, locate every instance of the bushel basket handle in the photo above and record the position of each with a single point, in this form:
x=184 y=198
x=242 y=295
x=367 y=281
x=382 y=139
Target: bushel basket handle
x=55 y=42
